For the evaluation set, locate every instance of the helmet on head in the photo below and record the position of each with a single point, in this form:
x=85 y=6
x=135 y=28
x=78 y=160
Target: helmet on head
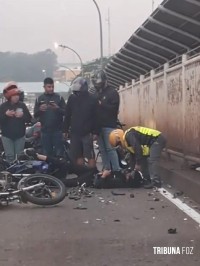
x=79 y=85
x=116 y=137
x=99 y=79
x=11 y=89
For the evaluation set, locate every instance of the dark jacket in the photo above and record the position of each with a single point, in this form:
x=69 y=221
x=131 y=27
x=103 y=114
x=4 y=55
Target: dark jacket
x=51 y=119
x=108 y=107
x=14 y=127
x=80 y=114
x=135 y=139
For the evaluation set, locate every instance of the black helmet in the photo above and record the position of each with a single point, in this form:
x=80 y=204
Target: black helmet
x=99 y=79
x=79 y=85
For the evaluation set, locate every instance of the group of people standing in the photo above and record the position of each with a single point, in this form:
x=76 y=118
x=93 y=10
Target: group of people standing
x=84 y=118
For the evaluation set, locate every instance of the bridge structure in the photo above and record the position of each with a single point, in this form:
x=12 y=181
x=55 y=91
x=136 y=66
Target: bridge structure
x=157 y=72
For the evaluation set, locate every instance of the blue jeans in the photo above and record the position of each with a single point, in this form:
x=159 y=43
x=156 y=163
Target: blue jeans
x=52 y=143
x=109 y=155
x=13 y=148
x=154 y=157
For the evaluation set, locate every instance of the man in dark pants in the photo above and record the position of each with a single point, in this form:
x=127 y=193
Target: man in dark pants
x=50 y=109
x=80 y=118
x=133 y=140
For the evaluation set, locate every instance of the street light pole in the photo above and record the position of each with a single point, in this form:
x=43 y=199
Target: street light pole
x=101 y=33
x=69 y=48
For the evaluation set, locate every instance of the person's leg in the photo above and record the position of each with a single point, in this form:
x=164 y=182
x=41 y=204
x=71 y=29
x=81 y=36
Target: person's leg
x=153 y=161
x=111 y=152
x=47 y=148
x=8 y=145
x=88 y=150
x=19 y=146
x=76 y=150
x=57 y=142
x=103 y=152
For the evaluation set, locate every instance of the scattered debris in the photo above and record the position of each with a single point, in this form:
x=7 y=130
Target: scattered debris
x=98 y=219
x=86 y=222
x=132 y=195
x=154 y=218
x=80 y=208
x=150 y=194
x=118 y=193
x=78 y=192
x=117 y=220
x=136 y=218
x=177 y=194
x=152 y=208
x=75 y=197
x=195 y=207
x=169 y=186
x=164 y=191
x=156 y=199
x=172 y=231
x=185 y=219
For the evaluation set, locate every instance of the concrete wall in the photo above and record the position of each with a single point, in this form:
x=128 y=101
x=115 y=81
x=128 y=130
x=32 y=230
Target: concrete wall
x=168 y=101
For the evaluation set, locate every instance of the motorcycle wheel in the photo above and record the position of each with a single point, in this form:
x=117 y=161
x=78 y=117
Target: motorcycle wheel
x=52 y=193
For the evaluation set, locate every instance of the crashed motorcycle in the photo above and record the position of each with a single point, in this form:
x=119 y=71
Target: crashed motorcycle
x=18 y=183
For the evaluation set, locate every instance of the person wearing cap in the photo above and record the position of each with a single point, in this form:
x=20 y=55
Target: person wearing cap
x=80 y=119
x=14 y=115
x=142 y=141
x=49 y=109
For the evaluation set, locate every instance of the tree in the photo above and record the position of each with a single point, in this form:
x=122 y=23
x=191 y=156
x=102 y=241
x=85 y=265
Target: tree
x=23 y=67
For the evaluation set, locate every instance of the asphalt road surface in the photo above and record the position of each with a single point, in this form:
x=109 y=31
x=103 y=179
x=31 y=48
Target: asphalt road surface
x=108 y=230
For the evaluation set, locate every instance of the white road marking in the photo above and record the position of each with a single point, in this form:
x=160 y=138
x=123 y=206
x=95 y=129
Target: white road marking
x=181 y=205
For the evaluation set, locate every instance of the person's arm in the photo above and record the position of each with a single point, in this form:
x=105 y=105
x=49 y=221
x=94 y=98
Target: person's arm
x=68 y=114
x=95 y=126
x=3 y=115
x=37 y=111
x=27 y=116
x=62 y=105
x=113 y=104
x=132 y=141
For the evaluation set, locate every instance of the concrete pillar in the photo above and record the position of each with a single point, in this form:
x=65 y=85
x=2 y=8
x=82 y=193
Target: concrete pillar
x=152 y=73
x=166 y=66
x=184 y=58
x=141 y=78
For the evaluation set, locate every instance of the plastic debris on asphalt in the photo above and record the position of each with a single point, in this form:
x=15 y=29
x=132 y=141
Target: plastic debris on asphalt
x=172 y=231
x=118 y=193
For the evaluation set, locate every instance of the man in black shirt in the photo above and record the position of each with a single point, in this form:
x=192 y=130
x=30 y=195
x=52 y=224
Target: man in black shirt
x=49 y=109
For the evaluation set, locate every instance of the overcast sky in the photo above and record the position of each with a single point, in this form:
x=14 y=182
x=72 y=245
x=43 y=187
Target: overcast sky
x=34 y=25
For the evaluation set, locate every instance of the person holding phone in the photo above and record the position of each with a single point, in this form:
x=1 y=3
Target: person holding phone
x=14 y=115
x=50 y=109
